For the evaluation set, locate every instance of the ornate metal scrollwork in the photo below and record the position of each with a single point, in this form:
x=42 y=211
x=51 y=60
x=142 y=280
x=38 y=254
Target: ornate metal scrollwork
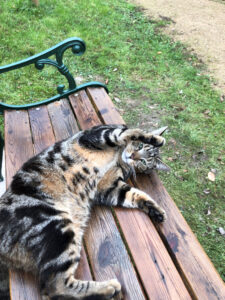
x=40 y=60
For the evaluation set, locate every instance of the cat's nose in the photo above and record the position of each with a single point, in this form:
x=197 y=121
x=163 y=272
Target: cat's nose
x=132 y=156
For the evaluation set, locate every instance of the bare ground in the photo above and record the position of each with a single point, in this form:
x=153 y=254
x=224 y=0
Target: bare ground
x=200 y=25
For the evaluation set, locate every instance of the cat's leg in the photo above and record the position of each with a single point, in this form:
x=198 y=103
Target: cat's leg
x=114 y=191
x=134 y=198
x=83 y=290
x=58 y=262
x=103 y=136
x=61 y=284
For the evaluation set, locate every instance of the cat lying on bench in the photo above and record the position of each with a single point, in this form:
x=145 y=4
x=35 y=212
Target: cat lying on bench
x=44 y=212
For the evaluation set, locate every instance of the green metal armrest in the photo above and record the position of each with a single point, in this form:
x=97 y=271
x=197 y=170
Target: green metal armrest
x=39 y=60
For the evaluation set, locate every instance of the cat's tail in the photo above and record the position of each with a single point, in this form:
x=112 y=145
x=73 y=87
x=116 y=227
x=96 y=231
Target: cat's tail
x=4 y=283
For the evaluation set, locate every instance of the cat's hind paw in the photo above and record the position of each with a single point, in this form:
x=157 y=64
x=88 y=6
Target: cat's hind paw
x=154 y=140
x=112 y=289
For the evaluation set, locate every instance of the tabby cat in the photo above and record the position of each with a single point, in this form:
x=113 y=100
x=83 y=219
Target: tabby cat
x=44 y=212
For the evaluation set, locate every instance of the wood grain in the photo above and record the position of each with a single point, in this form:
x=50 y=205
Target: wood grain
x=41 y=128
x=62 y=118
x=197 y=271
x=83 y=271
x=155 y=267
x=104 y=106
x=19 y=148
x=108 y=255
x=18 y=141
x=85 y=113
x=65 y=125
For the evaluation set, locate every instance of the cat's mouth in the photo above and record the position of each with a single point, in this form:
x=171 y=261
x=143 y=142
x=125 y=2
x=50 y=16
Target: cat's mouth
x=127 y=158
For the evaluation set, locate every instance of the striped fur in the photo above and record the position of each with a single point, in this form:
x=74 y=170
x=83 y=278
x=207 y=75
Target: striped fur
x=44 y=212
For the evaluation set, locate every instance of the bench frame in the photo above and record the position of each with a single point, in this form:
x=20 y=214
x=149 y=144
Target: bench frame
x=151 y=261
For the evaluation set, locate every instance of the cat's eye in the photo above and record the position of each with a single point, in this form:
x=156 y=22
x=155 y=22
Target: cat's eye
x=140 y=146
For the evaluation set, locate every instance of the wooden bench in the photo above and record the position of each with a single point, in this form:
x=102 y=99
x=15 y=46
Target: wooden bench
x=151 y=262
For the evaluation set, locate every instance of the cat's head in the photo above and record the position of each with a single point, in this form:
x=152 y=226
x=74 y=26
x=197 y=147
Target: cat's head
x=144 y=157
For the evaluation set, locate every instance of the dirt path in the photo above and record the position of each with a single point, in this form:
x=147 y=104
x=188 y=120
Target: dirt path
x=200 y=24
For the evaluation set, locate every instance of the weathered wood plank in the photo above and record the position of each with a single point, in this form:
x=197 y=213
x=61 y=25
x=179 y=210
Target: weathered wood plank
x=154 y=265
x=197 y=271
x=108 y=256
x=18 y=141
x=23 y=286
x=85 y=113
x=19 y=148
x=65 y=125
x=157 y=281
x=63 y=120
x=104 y=106
x=41 y=128
x=83 y=271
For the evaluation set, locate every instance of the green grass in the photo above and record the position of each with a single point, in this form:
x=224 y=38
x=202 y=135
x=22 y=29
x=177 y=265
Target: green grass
x=150 y=69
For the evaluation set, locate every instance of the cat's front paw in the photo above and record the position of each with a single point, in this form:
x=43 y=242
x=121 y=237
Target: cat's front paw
x=156 y=215
x=154 y=211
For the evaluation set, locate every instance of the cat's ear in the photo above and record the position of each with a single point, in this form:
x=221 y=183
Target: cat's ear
x=161 y=166
x=159 y=131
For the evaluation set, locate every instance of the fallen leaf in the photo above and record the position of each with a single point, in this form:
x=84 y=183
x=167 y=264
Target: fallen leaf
x=221 y=231
x=209 y=229
x=208 y=212
x=107 y=81
x=121 y=111
x=211 y=176
x=185 y=171
x=222 y=98
x=172 y=141
x=170 y=158
x=206 y=112
x=159 y=52
x=117 y=99
x=206 y=191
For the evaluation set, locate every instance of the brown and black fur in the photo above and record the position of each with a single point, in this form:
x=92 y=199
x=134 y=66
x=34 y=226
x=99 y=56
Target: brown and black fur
x=44 y=212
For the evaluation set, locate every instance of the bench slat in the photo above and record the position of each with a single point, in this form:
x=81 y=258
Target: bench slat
x=18 y=148
x=63 y=120
x=108 y=256
x=148 y=270
x=197 y=271
x=18 y=142
x=41 y=128
x=85 y=113
x=104 y=106
x=83 y=270
x=65 y=125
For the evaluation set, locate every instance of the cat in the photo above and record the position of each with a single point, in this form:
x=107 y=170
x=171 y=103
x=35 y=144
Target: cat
x=45 y=210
